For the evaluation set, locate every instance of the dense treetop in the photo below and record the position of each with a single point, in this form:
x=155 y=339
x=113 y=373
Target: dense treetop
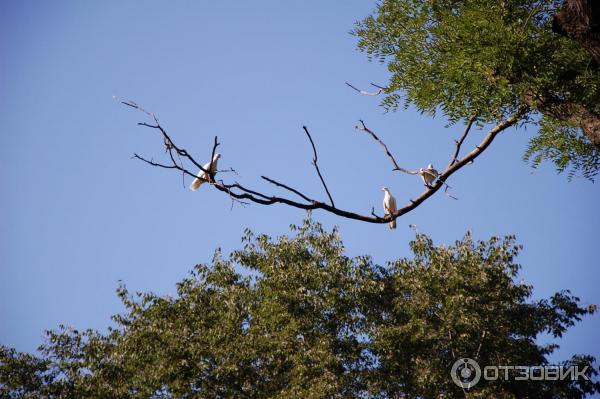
x=296 y=317
x=489 y=59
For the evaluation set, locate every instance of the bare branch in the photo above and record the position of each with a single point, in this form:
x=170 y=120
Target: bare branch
x=242 y=194
x=278 y=184
x=374 y=214
x=487 y=140
x=166 y=137
x=160 y=165
x=246 y=190
x=151 y=162
x=168 y=145
x=312 y=143
x=233 y=199
x=367 y=93
x=461 y=140
x=379 y=87
x=211 y=174
x=364 y=128
x=230 y=170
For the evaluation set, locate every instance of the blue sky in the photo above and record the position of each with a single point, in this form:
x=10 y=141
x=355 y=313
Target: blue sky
x=78 y=215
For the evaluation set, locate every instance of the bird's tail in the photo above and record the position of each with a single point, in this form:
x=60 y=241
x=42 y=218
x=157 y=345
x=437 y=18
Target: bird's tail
x=393 y=224
x=196 y=184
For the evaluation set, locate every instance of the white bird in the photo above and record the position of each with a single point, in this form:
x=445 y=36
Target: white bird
x=429 y=174
x=389 y=205
x=203 y=176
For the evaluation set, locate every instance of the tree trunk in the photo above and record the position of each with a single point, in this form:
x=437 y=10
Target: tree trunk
x=579 y=20
x=567 y=111
x=574 y=114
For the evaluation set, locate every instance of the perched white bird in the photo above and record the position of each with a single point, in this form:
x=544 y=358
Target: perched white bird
x=429 y=174
x=389 y=205
x=203 y=176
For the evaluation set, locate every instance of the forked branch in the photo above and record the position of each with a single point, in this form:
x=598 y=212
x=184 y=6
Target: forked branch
x=380 y=90
x=461 y=140
x=316 y=165
x=239 y=193
x=364 y=128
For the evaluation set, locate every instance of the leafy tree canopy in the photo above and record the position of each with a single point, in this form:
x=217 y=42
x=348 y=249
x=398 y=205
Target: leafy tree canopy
x=489 y=59
x=296 y=317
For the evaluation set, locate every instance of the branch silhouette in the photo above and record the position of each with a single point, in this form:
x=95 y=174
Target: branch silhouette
x=244 y=195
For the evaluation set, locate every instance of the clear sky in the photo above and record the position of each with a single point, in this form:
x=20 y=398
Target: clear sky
x=77 y=214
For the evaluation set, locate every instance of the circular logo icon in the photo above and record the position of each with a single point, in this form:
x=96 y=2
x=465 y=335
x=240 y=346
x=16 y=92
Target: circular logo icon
x=465 y=373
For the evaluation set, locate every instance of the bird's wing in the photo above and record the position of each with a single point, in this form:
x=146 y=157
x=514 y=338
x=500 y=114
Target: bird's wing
x=392 y=205
x=429 y=174
x=202 y=176
x=201 y=173
x=214 y=166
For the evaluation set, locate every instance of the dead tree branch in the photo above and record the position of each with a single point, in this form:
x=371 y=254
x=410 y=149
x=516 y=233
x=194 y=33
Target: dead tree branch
x=368 y=93
x=364 y=128
x=239 y=193
x=461 y=140
x=278 y=184
x=211 y=174
x=316 y=165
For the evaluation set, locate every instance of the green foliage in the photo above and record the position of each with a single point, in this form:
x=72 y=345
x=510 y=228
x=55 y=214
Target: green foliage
x=295 y=317
x=482 y=58
x=566 y=147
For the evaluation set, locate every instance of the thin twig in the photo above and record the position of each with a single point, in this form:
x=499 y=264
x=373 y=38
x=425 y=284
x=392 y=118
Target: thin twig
x=364 y=128
x=230 y=170
x=232 y=198
x=151 y=162
x=278 y=184
x=211 y=174
x=367 y=93
x=379 y=87
x=316 y=165
x=461 y=140
x=160 y=165
x=374 y=214
x=247 y=190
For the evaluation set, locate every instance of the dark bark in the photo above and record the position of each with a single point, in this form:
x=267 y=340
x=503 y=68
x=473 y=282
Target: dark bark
x=568 y=111
x=579 y=20
x=574 y=114
x=239 y=193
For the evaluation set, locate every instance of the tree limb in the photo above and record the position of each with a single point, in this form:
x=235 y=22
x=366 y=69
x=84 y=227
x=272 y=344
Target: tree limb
x=312 y=143
x=211 y=174
x=579 y=20
x=278 y=184
x=240 y=193
x=368 y=93
x=461 y=140
x=364 y=128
